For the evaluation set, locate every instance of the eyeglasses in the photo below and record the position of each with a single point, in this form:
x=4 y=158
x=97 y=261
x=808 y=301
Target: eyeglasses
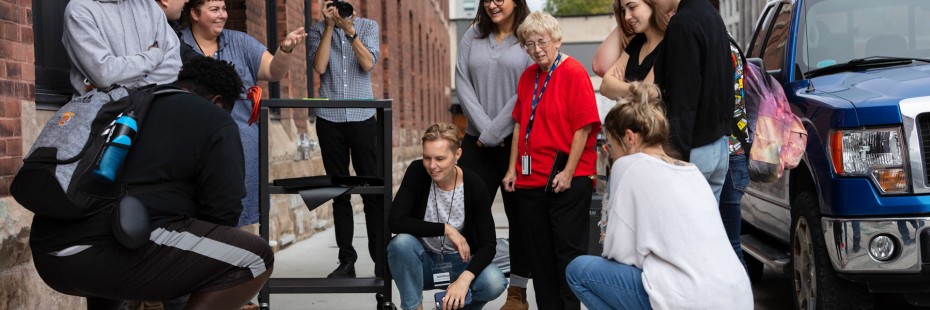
x=496 y=2
x=531 y=46
x=607 y=147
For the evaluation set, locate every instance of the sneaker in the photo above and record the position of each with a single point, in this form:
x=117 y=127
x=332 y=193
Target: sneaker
x=345 y=270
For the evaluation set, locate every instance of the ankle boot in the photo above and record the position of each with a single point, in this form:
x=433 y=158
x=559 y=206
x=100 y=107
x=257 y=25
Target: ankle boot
x=516 y=299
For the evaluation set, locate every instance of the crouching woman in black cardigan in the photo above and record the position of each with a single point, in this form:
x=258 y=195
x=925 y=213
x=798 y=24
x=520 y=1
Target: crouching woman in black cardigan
x=445 y=233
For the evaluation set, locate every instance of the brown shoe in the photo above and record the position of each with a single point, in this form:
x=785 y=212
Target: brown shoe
x=516 y=299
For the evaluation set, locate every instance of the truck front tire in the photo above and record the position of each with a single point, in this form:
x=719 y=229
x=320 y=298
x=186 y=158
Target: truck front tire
x=816 y=284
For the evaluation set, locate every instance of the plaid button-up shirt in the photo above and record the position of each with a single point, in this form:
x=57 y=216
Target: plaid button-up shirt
x=344 y=78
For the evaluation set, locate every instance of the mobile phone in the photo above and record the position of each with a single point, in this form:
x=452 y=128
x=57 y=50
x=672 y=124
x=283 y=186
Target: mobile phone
x=441 y=294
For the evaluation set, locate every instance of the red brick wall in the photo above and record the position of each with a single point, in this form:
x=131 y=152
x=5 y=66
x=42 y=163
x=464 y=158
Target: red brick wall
x=413 y=68
x=17 y=83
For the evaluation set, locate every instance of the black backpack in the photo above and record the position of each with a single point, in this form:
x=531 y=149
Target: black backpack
x=55 y=180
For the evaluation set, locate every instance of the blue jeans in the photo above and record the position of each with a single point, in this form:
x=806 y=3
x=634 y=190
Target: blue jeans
x=712 y=159
x=411 y=265
x=602 y=283
x=733 y=189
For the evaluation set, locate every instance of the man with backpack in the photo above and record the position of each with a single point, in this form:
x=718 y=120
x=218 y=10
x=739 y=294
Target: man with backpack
x=185 y=166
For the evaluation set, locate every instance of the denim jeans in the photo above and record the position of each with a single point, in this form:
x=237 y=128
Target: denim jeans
x=411 y=265
x=602 y=283
x=733 y=189
x=712 y=159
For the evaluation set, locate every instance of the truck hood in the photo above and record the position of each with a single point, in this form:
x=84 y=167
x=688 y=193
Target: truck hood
x=877 y=87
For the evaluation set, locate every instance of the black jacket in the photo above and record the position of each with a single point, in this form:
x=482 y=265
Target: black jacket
x=694 y=69
x=409 y=208
x=185 y=140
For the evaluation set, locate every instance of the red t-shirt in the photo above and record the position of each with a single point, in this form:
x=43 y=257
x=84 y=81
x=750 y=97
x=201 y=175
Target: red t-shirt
x=567 y=105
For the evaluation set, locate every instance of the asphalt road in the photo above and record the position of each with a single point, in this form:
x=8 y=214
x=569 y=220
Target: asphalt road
x=775 y=292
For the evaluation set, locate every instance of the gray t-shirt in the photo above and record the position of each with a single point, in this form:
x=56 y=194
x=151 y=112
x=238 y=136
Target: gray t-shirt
x=486 y=76
x=444 y=207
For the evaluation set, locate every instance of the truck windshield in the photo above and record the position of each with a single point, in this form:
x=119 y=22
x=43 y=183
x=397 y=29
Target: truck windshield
x=837 y=31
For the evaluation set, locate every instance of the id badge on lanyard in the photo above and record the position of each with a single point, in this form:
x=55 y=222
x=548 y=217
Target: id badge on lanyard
x=526 y=161
x=442 y=274
x=526 y=164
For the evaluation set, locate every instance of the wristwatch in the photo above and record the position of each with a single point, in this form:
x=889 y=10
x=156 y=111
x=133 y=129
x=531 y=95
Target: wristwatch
x=351 y=37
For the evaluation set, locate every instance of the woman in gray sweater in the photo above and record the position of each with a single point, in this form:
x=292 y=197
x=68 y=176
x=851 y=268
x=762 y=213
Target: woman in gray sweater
x=490 y=62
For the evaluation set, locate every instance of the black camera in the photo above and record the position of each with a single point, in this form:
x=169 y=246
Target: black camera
x=344 y=8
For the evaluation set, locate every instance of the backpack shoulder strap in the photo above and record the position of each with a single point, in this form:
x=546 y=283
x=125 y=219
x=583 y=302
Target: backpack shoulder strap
x=167 y=90
x=742 y=55
x=739 y=137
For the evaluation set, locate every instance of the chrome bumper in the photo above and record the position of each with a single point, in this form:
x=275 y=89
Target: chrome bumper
x=847 y=242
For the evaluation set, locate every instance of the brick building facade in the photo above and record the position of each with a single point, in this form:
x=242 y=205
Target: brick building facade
x=413 y=70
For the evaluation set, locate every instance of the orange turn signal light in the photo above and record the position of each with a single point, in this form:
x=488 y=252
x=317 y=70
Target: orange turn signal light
x=836 y=151
x=891 y=180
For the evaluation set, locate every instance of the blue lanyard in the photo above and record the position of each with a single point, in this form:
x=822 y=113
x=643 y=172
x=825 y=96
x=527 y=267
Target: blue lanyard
x=529 y=124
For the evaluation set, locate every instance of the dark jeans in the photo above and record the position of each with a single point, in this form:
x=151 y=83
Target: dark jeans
x=358 y=141
x=490 y=163
x=557 y=228
x=733 y=189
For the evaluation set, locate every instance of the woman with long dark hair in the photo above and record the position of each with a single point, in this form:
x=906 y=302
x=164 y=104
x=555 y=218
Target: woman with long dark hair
x=640 y=20
x=490 y=61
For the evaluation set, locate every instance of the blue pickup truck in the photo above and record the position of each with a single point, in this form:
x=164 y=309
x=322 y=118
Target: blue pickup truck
x=851 y=220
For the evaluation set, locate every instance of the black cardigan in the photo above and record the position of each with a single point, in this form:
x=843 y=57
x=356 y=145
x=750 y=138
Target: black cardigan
x=694 y=69
x=409 y=208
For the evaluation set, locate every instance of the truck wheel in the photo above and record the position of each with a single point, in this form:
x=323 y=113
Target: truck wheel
x=816 y=284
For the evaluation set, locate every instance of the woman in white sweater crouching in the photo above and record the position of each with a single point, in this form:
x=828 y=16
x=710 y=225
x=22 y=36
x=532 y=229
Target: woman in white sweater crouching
x=665 y=245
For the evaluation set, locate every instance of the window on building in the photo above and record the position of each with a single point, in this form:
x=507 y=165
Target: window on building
x=53 y=88
x=469 y=5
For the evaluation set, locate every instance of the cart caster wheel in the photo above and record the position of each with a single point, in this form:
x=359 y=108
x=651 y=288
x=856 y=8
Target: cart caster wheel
x=384 y=305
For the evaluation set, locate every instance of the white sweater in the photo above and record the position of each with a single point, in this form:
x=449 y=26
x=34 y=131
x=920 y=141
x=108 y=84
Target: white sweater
x=664 y=219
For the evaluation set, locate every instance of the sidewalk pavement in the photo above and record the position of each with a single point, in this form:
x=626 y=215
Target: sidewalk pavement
x=316 y=257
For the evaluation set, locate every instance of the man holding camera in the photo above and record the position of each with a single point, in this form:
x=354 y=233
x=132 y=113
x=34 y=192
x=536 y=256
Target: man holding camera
x=343 y=51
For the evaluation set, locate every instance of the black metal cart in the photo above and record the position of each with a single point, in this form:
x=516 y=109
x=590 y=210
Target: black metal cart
x=381 y=286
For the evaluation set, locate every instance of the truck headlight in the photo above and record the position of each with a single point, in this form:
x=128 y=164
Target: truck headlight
x=875 y=153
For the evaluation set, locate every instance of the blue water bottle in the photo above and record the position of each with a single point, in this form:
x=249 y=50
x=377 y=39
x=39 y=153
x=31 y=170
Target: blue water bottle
x=117 y=146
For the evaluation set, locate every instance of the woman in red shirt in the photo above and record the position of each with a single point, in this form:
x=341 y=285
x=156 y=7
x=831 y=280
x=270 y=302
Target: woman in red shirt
x=556 y=116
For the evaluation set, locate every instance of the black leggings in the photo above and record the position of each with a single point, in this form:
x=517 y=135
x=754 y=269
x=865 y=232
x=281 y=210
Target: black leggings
x=490 y=163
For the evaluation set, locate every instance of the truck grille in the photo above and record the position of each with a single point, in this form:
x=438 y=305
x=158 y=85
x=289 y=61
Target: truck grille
x=923 y=123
